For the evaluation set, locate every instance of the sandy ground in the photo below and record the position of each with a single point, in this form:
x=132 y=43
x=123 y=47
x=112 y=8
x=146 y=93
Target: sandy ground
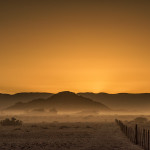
x=65 y=136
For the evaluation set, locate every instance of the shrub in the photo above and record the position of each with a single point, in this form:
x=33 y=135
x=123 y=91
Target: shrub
x=140 y=119
x=11 y=122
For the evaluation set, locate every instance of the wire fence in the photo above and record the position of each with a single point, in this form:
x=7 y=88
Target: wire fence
x=136 y=135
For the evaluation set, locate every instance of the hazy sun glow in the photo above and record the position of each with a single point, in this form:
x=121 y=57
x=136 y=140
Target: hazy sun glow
x=50 y=46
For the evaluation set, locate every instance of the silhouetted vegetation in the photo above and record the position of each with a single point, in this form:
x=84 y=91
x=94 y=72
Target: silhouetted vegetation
x=11 y=122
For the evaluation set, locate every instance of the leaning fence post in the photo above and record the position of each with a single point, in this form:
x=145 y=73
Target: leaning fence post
x=136 y=135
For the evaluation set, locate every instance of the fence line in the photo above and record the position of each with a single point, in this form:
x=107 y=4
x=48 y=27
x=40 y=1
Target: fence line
x=136 y=135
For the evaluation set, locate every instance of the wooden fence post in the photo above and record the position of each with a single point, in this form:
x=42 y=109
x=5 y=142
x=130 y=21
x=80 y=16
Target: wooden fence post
x=144 y=138
x=136 y=135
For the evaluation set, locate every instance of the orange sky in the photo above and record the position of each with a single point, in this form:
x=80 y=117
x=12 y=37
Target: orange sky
x=76 y=45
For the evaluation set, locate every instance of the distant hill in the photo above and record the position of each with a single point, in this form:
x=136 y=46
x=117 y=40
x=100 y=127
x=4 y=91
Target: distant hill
x=122 y=101
x=7 y=99
x=63 y=101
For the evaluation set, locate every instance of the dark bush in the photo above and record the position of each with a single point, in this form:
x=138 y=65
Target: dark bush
x=11 y=122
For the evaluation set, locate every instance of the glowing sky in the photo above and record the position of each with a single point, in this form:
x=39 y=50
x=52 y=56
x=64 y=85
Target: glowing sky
x=76 y=45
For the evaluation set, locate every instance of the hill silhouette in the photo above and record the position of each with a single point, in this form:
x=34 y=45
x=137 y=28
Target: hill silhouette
x=122 y=101
x=62 y=101
x=119 y=101
x=7 y=99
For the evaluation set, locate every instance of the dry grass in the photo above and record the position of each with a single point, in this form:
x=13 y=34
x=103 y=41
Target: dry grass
x=65 y=136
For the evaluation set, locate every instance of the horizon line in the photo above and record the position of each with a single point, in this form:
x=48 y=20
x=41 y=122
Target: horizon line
x=78 y=92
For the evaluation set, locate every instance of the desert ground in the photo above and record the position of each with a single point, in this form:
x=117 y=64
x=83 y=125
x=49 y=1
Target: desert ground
x=84 y=135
